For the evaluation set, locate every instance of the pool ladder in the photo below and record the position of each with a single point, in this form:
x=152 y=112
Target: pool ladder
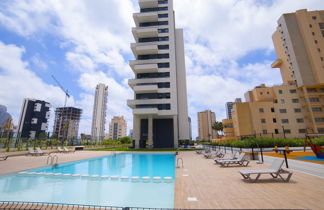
x=178 y=159
x=52 y=160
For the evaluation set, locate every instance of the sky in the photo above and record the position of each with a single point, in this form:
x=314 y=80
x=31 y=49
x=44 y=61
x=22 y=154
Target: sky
x=228 y=49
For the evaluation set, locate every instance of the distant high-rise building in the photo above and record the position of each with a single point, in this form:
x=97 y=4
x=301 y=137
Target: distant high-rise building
x=160 y=112
x=206 y=119
x=299 y=46
x=229 y=107
x=4 y=115
x=99 y=112
x=117 y=128
x=33 y=118
x=66 y=124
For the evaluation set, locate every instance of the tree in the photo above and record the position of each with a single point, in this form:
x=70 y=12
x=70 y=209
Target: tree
x=217 y=126
x=125 y=140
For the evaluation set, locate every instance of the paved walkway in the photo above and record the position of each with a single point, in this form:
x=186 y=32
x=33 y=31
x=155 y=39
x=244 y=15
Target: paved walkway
x=19 y=163
x=203 y=185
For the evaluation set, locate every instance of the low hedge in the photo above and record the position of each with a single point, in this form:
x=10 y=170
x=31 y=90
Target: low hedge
x=268 y=142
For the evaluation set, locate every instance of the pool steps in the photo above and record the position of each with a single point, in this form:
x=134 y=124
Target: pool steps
x=133 y=178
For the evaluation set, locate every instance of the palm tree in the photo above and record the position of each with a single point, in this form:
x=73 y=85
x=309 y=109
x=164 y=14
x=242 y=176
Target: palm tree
x=217 y=126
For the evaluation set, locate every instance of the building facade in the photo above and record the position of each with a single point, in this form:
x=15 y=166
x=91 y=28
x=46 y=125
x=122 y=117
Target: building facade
x=117 y=128
x=66 y=124
x=229 y=107
x=160 y=113
x=33 y=118
x=99 y=112
x=271 y=112
x=299 y=45
x=206 y=119
x=4 y=116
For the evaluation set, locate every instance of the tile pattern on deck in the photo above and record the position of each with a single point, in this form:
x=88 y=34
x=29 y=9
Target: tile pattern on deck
x=223 y=188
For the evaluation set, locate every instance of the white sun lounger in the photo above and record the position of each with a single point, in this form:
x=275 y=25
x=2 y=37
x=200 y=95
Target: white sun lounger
x=3 y=157
x=39 y=151
x=239 y=161
x=274 y=170
x=31 y=151
x=232 y=157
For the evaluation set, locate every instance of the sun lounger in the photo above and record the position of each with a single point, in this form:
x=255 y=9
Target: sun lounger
x=232 y=157
x=239 y=161
x=68 y=150
x=59 y=149
x=3 y=157
x=31 y=151
x=39 y=151
x=274 y=170
x=211 y=154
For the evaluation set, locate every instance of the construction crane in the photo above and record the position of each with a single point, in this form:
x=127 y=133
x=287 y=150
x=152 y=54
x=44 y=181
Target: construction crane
x=65 y=91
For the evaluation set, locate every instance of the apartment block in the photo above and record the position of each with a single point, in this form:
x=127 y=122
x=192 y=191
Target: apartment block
x=66 y=124
x=274 y=112
x=299 y=45
x=206 y=119
x=117 y=128
x=229 y=107
x=99 y=112
x=160 y=113
x=33 y=118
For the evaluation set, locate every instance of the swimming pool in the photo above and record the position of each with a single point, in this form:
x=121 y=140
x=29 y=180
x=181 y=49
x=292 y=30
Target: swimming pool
x=109 y=180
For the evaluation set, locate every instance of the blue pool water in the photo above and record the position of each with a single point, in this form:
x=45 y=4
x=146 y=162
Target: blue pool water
x=98 y=191
x=309 y=158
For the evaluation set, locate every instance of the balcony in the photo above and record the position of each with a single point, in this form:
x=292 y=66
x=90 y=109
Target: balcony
x=132 y=103
x=146 y=89
x=148 y=111
x=145 y=17
x=134 y=82
x=144 y=68
x=144 y=49
x=148 y=3
x=276 y=64
x=144 y=32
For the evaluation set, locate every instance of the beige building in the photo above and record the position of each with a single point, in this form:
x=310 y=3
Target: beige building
x=117 y=128
x=299 y=45
x=206 y=119
x=270 y=112
x=159 y=105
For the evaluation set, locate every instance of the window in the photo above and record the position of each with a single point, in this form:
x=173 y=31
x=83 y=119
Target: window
x=295 y=100
x=320 y=130
x=314 y=100
x=261 y=93
x=313 y=33
x=316 y=109
x=261 y=110
x=302 y=130
x=284 y=121
x=152 y=96
x=322 y=59
x=163 y=47
x=274 y=120
x=155 y=9
x=315 y=41
x=318 y=49
x=153 y=56
x=264 y=131
x=287 y=131
x=311 y=90
x=322 y=33
x=283 y=110
x=163 y=30
x=280 y=91
x=276 y=131
x=163 y=2
x=310 y=25
x=163 y=15
x=321 y=25
x=299 y=120
x=153 y=75
x=272 y=110
x=282 y=101
x=319 y=119
x=297 y=110
x=158 y=106
x=263 y=121
x=158 y=23
x=163 y=65
x=154 y=39
x=292 y=91
x=314 y=17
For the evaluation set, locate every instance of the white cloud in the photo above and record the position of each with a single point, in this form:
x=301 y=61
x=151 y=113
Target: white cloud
x=19 y=82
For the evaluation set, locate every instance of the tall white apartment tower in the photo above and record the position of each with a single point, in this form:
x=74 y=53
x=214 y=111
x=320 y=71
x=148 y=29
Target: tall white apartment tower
x=99 y=112
x=160 y=112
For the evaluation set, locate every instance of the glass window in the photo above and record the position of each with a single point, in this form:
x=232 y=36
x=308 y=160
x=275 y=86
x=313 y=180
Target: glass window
x=163 y=15
x=297 y=110
x=283 y=110
x=287 y=131
x=311 y=90
x=163 y=30
x=162 y=1
x=153 y=56
x=154 y=39
x=163 y=47
x=314 y=99
x=263 y=121
x=158 y=23
x=264 y=131
x=276 y=131
x=280 y=91
x=163 y=65
x=153 y=75
x=274 y=120
x=319 y=119
x=282 y=101
x=321 y=25
x=299 y=120
x=155 y=9
x=295 y=100
x=272 y=110
x=261 y=110
x=284 y=121
x=316 y=109
x=302 y=130
x=292 y=91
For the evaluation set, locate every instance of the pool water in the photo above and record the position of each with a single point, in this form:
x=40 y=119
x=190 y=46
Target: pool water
x=95 y=190
x=309 y=158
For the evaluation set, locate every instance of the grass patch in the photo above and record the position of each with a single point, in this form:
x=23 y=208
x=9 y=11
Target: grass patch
x=141 y=150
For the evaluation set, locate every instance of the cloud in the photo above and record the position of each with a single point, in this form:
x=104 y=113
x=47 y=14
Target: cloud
x=19 y=82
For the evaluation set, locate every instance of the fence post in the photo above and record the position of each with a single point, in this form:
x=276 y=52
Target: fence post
x=261 y=154
x=252 y=153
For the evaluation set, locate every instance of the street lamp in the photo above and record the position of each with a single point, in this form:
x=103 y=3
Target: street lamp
x=283 y=131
